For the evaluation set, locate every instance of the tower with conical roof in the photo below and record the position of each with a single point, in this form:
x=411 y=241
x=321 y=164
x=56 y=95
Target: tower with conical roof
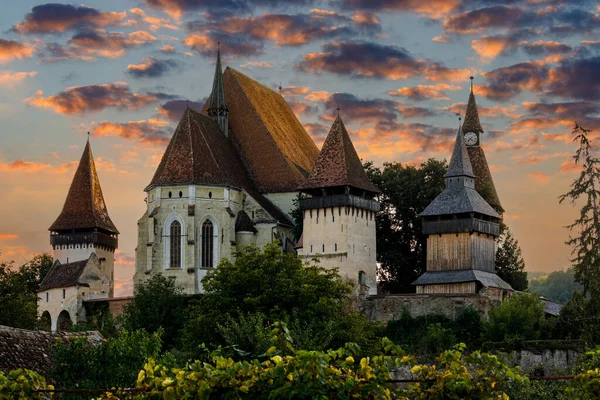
x=84 y=226
x=461 y=229
x=472 y=131
x=339 y=212
x=217 y=108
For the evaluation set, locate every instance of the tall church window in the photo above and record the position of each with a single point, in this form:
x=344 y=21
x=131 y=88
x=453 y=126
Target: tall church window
x=207 y=244
x=175 y=245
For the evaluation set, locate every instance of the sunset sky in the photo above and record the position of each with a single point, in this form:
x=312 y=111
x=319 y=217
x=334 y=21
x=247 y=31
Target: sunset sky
x=398 y=69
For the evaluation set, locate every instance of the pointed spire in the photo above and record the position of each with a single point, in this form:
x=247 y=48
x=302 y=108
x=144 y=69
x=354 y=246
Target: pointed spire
x=460 y=164
x=84 y=207
x=338 y=163
x=217 y=109
x=472 y=123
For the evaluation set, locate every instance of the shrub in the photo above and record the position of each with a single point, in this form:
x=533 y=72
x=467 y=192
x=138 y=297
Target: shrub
x=519 y=317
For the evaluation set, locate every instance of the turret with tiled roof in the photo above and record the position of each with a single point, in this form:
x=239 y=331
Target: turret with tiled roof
x=473 y=130
x=217 y=109
x=461 y=228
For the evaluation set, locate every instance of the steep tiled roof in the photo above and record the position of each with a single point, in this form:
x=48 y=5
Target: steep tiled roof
x=300 y=243
x=63 y=275
x=199 y=153
x=243 y=223
x=84 y=207
x=471 y=123
x=274 y=146
x=460 y=165
x=20 y=348
x=487 y=279
x=338 y=164
x=483 y=177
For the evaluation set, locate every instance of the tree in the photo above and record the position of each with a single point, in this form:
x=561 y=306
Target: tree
x=263 y=286
x=158 y=304
x=519 y=317
x=558 y=286
x=509 y=262
x=406 y=191
x=18 y=291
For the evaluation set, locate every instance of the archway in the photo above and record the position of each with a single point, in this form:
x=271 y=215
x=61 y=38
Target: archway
x=45 y=322
x=63 y=323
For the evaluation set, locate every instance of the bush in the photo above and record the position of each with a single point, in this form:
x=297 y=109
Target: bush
x=519 y=317
x=22 y=384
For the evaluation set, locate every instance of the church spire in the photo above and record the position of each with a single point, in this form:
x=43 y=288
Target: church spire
x=460 y=164
x=472 y=123
x=217 y=109
x=84 y=208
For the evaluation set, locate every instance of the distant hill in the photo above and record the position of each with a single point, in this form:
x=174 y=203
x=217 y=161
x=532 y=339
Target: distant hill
x=536 y=275
x=558 y=286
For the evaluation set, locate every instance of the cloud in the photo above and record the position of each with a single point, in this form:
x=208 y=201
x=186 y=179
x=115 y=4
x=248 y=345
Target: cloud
x=576 y=79
x=150 y=131
x=176 y=8
x=10 y=49
x=94 y=98
x=154 y=23
x=34 y=167
x=507 y=82
x=371 y=60
x=152 y=67
x=205 y=44
x=546 y=47
x=257 y=64
x=568 y=167
x=482 y=19
x=167 y=49
x=318 y=96
x=301 y=108
x=54 y=18
x=425 y=92
x=432 y=8
x=123 y=258
x=353 y=109
x=294 y=90
x=539 y=176
x=10 y=78
x=8 y=236
x=412 y=112
x=173 y=109
x=413 y=137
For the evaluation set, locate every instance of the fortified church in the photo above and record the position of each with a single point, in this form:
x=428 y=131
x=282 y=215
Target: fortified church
x=229 y=177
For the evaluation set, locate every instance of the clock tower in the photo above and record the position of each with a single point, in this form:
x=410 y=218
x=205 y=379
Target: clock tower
x=472 y=131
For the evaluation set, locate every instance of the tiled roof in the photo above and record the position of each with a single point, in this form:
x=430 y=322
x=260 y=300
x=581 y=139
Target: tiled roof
x=243 y=223
x=460 y=165
x=483 y=176
x=471 y=123
x=20 y=348
x=84 y=207
x=300 y=243
x=274 y=146
x=217 y=97
x=338 y=163
x=63 y=275
x=487 y=279
x=199 y=153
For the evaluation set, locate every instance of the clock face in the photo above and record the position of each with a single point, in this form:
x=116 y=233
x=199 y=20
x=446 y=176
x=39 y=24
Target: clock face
x=471 y=138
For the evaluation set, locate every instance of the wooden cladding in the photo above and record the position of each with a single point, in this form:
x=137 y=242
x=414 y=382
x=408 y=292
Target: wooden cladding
x=459 y=251
x=448 y=288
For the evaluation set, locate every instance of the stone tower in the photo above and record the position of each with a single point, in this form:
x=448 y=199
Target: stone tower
x=339 y=214
x=472 y=131
x=461 y=229
x=217 y=108
x=84 y=226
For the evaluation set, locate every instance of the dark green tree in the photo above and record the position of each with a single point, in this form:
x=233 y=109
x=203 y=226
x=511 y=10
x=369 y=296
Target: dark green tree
x=558 y=286
x=158 y=304
x=509 y=262
x=18 y=291
x=519 y=317
x=406 y=191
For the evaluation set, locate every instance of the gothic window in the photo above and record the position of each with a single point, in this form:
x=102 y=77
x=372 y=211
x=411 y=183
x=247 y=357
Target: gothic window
x=207 y=244
x=175 y=245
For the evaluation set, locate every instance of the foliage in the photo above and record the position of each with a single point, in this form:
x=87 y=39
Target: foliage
x=519 y=317
x=406 y=191
x=268 y=282
x=18 y=291
x=22 y=384
x=112 y=363
x=558 y=286
x=509 y=261
x=158 y=304
x=298 y=217
x=458 y=376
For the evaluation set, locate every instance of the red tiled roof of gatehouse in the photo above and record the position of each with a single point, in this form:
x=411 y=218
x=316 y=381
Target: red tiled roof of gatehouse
x=84 y=207
x=338 y=163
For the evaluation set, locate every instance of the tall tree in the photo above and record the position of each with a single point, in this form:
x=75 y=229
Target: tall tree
x=585 y=237
x=406 y=191
x=509 y=262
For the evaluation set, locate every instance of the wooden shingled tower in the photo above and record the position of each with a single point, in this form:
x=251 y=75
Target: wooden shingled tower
x=461 y=229
x=472 y=131
x=339 y=214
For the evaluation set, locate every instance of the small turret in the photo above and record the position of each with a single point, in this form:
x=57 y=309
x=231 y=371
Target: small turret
x=217 y=109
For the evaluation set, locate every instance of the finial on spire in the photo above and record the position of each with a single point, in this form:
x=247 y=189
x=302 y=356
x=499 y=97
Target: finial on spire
x=471 y=78
x=187 y=103
x=338 y=110
x=88 y=137
x=280 y=87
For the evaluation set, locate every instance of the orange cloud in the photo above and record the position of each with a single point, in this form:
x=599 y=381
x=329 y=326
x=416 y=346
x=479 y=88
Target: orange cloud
x=422 y=92
x=539 y=176
x=8 y=236
x=319 y=96
x=24 y=166
x=569 y=166
x=10 y=49
x=150 y=131
x=490 y=47
x=294 y=90
x=257 y=64
x=167 y=48
x=10 y=79
x=154 y=23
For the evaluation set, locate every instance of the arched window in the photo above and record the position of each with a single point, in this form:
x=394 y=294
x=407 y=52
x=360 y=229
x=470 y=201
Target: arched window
x=175 y=245
x=208 y=231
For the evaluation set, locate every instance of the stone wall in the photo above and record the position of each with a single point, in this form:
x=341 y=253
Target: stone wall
x=550 y=361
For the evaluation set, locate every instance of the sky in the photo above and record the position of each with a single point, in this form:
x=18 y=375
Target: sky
x=397 y=69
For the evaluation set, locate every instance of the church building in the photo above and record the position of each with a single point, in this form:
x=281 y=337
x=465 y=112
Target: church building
x=84 y=240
